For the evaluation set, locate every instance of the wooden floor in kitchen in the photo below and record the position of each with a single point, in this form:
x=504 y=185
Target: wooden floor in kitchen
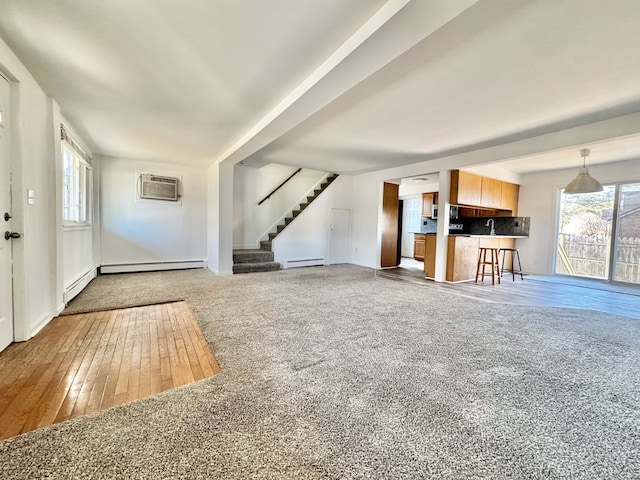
x=551 y=291
x=79 y=364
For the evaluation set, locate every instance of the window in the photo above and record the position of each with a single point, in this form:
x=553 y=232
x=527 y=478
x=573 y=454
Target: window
x=77 y=180
x=599 y=234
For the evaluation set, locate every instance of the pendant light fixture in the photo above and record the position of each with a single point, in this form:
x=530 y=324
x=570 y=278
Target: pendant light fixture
x=583 y=183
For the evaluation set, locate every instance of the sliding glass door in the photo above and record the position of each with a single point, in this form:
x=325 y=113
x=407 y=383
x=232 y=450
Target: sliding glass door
x=599 y=234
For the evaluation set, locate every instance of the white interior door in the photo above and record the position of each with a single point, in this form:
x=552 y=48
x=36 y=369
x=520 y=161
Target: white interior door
x=411 y=211
x=6 y=290
x=340 y=236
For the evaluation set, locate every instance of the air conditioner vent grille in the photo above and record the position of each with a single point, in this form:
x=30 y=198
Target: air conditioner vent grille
x=156 y=187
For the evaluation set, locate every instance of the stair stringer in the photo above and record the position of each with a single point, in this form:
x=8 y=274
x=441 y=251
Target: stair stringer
x=289 y=212
x=305 y=242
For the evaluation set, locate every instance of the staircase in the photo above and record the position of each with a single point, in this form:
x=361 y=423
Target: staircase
x=247 y=261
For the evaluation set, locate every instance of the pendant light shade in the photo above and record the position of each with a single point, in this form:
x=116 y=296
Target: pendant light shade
x=583 y=183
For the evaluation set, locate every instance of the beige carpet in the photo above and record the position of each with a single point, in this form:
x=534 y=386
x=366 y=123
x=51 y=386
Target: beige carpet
x=114 y=291
x=332 y=373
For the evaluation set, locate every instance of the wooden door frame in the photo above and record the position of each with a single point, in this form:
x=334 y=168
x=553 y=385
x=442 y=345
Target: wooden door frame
x=389 y=225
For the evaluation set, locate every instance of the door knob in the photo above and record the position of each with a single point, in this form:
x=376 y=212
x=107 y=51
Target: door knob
x=7 y=217
x=10 y=235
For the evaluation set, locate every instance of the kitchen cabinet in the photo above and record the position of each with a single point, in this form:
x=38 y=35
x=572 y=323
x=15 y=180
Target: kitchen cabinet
x=430 y=256
x=484 y=196
x=491 y=193
x=509 y=201
x=462 y=258
x=466 y=188
x=418 y=246
x=428 y=201
x=427 y=205
x=462 y=255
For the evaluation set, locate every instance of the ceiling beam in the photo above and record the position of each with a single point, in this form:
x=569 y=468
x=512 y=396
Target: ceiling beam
x=393 y=30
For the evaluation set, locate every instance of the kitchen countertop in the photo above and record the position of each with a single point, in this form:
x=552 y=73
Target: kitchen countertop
x=474 y=235
x=486 y=236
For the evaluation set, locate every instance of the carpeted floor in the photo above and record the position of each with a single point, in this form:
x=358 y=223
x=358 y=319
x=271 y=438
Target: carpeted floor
x=111 y=292
x=330 y=372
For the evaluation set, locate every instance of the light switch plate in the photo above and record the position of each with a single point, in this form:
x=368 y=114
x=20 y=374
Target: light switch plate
x=31 y=197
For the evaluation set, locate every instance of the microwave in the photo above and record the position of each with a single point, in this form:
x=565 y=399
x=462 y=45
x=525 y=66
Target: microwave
x=453 y=212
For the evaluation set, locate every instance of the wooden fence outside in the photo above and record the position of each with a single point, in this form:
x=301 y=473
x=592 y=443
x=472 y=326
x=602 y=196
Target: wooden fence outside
x=589 y=256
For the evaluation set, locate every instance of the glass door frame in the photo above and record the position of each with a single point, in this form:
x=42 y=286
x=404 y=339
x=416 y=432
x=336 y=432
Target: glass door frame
x=613 y=247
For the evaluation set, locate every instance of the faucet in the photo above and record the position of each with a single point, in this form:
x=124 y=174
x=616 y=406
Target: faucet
x=491 y=223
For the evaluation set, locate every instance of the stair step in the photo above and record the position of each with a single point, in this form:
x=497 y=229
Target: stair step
x=256 y=267
x=252 y=256
x=266 y=244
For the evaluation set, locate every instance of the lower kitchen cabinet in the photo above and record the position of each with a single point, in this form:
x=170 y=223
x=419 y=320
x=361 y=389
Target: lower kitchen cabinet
x=462 y=255
x=418 y=246
x=430 y=256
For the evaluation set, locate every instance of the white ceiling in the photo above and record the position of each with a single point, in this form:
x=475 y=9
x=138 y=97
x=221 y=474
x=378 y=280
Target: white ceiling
x=200 y=81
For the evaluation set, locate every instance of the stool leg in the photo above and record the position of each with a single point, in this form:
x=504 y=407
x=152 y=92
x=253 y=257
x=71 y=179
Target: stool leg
x=478 y=268
x=504 y=254
x=493 y=269
x=484 y=264
x=497 y=265
x=513 y=274
x=519 y=265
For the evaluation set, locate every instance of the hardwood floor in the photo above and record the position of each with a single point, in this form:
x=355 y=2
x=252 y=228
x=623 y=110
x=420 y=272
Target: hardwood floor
x=537 y=291
x=79 y=364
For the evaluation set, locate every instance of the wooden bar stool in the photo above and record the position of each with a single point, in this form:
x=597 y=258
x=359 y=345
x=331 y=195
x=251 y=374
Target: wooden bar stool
x=515 y=254
x=493 y=262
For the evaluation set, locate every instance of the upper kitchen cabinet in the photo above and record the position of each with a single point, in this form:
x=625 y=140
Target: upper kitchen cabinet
x=484 y=193
x=491 y=194
x=466 y=188
x=510 y=194
x=428 y=201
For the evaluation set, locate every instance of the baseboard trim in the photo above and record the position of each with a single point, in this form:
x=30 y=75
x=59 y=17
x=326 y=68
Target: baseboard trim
x=216 y=272
x=151 y=267
x=43 y=322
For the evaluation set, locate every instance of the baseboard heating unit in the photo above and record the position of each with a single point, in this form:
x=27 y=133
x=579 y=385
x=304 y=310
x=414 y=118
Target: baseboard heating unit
x=77 y=285
x=307 y=262
x=151 y=266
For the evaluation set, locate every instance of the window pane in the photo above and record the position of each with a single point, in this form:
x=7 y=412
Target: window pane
x=76 y=187
x=627 y=262
x=585 y=233
x=67 y=189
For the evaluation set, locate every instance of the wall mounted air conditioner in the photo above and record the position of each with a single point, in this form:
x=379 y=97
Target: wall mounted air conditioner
x=156 y=187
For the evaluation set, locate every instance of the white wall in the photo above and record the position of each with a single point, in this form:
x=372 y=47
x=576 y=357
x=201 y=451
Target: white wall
x=306 y=240
x=37 y=292
x=252 y=222
x=539 y=197
x=220 y=218
x=78 y=262
x=139 y=234
x=365 y=221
